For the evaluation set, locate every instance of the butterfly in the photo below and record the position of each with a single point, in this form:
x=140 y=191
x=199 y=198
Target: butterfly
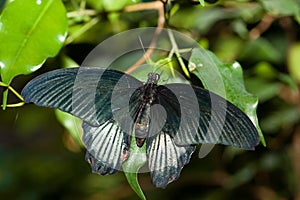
x=169 y=119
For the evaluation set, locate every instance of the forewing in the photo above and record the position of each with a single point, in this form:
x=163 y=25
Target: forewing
x=204 y=117
x=166 y=159
x=107 y=147
x=85 y=92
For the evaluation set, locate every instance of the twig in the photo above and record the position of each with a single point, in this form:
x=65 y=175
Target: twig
x=12 y=89
x=263 y=25
x=87 y=12
x=156 y=5
x=175 y=51
x=84 y=28
x=15 y=93
x=14 y=105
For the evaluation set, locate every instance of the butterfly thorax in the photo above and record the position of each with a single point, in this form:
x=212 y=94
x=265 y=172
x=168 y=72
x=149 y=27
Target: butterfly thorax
x=142 y=120
x=153 y=78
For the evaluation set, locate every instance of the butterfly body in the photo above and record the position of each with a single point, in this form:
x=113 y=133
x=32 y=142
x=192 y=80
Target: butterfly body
x=142 y=116
x=170 y=118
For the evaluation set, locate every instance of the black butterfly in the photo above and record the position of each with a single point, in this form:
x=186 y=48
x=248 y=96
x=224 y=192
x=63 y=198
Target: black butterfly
x=170 y=118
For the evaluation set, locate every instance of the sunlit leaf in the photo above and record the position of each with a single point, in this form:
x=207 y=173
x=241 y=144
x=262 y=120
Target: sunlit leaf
x=30 y=31
x=225 y=80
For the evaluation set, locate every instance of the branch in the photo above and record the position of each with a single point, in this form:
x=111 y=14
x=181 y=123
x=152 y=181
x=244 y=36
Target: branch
x=156 y=5
x=263 y=25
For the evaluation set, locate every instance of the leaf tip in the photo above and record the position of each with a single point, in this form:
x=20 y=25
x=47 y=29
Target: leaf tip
x=263 y=141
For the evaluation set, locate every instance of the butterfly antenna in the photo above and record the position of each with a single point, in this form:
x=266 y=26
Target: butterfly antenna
x=161 y=65
x=148 y=59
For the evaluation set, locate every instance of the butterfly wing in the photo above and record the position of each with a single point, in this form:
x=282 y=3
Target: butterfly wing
x=166 y=159
x=100 y=98
x=197 y=116
x=85 y=92
x=107 y=147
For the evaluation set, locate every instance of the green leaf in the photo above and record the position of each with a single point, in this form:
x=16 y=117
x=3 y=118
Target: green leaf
x=279 y=7
x=72 y=124
x=110 y=5
x=284 y=116
x=225 y=80
x=95 y=4
x=242 y=176
x=136 y=160
x=200 y=18
x=30 y=31
x=269 y=91
x=287 y=79
x=264 y=51
x=228 y=47
x=294 y=61
x=68 y=62
x=265 y=70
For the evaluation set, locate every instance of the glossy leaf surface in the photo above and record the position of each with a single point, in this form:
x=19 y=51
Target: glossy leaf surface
x=225 y=80
x=29 y=33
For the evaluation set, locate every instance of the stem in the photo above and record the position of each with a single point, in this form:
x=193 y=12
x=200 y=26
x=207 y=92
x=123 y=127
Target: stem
x=185 y=50
x=88 y=12
x=4 y=101
x=4 y=104
x=84 y=28
x=81 y=10
x=263 y=25
x=82 y=4
x=15 y=105
x=156 y=5
x=177 y=53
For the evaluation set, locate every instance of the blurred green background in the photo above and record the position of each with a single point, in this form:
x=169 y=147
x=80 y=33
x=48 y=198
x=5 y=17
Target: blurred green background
x=40 y=160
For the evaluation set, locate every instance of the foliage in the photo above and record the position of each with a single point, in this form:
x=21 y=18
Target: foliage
x=230 y=77
x=262 y=35
x=30 y=38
